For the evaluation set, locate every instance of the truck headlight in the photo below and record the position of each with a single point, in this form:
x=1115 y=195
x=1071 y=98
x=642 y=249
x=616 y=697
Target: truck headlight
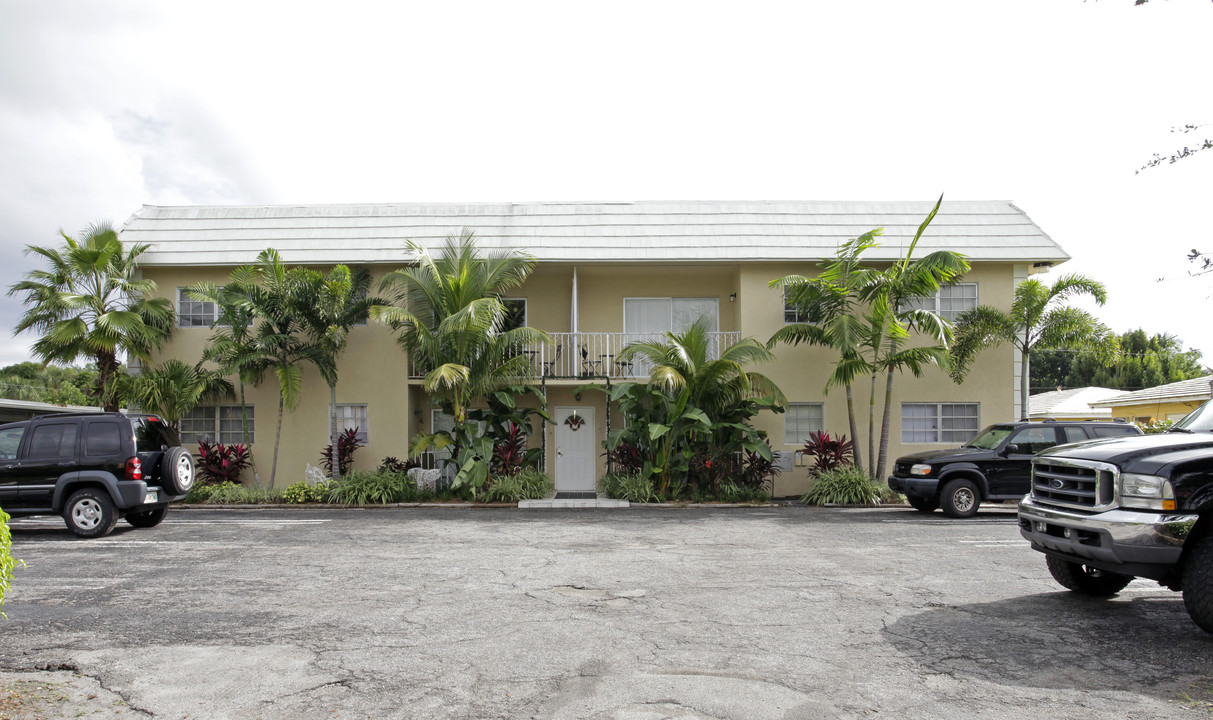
x=920 y=469
x=1148 y=492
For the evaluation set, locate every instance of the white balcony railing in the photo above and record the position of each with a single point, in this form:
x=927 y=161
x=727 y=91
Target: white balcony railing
x=596 y=355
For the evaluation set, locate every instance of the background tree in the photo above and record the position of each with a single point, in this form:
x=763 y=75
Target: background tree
x=329 y=306
x=1140 y=361
x=1038 y=320
x=450 y=318
x=52 y=384
x=172 y=388
x=89 y=304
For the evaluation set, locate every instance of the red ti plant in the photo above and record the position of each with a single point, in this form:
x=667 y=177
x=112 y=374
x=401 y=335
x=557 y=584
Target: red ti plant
x=219 y=463
x=510 y=452
x=828 y=453
x=347 y=443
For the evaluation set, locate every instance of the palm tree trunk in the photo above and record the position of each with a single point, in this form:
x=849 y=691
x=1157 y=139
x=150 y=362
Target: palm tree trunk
x=277 y=439
x=1024 y=382
x=885 y=422
x=856 y=455
x=872 y=419
x=335 y=452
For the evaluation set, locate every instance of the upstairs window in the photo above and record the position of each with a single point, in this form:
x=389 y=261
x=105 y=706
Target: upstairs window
x=192 y=313
x=949 y=301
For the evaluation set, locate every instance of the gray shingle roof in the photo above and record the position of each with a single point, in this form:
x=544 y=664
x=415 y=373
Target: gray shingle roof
x=1195 y=389
x=584 y=232
x=1072 y=403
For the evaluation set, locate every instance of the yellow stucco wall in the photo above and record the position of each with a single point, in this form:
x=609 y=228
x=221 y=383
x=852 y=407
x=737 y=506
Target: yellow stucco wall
x=1155 y=410
x=373 y=368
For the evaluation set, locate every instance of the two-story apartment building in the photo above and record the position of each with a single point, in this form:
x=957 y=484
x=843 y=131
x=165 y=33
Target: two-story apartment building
x=607 y=274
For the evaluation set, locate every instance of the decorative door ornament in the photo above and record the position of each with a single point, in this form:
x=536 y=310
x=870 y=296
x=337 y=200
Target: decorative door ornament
x=574 y=421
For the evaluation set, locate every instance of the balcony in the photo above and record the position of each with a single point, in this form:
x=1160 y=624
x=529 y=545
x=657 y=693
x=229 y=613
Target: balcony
x=584 y=355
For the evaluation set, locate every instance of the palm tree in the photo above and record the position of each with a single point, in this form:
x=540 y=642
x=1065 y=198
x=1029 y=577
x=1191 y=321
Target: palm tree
x=890 y=295
x=173 y=388
x=451 y=321
x=684 y=361
x=231 y=345
x=830 y=305
x=1038 y=320
x=329 y=307
x=90 y=304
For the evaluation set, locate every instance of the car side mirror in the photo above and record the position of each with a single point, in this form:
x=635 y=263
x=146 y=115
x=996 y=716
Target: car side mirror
x=1011 y=448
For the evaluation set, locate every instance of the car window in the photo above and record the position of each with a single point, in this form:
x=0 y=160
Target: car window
x=1115 y=431
x=990 y=437
x=10 y=441
x=102 y=438
x=1034 y=439
x=1074 y=434
x=52 y=441
x=151 y=436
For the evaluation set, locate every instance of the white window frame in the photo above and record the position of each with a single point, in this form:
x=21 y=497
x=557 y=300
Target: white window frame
x=943 y=414
x=791 y=315
x=934 y=302
x=216 y=433
x=354 y=415
x=201 y=313
x=798 y=436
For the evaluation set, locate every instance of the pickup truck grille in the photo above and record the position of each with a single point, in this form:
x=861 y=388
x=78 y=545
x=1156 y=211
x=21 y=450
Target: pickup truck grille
x=1075 y=484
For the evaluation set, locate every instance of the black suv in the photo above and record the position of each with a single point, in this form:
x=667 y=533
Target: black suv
x=994 y=466
x=92 y=469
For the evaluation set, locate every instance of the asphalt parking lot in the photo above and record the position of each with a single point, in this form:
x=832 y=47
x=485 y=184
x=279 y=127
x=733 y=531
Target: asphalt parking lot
x=638 y=614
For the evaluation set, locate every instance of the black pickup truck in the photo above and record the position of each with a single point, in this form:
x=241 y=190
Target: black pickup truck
x=1107 y=511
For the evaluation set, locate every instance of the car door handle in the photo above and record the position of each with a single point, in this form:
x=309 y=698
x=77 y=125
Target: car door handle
x=67 y=464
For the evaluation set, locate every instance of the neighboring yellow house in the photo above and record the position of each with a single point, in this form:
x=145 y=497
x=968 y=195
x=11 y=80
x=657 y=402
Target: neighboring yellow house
x=607 y=274
x=1164 y=402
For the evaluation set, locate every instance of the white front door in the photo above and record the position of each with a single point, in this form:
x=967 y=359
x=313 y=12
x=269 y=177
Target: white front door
x=576 y=449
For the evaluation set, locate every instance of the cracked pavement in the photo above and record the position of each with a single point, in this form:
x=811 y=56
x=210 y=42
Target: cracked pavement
x=636 y=614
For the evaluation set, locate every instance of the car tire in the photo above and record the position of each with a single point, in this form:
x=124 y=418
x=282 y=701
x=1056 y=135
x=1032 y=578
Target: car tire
x=177 y=470
x=89 y=513
x=960 y=498
x=1198 y=583
x=921 y=504
x=1084 y=579
x=147 y=518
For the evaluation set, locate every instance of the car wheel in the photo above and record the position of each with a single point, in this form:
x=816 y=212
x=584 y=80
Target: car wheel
x=960 y=499
x=177 y=470
x=89 y=513
x=147 y=518
x=922 y=504
x=1085 y=579
x=1198 y=583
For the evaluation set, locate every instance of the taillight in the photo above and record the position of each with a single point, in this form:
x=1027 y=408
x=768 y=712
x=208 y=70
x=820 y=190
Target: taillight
x=134 y=469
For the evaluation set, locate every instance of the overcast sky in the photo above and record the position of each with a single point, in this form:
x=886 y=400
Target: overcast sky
x=1052 y=104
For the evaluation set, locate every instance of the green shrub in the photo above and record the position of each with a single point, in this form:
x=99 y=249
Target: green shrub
x=734 y=493
x=525 y=484
x=633 y=487
x=373 y=488
x=7 y=562
x=301 y=492
x=230 y=493
x=843 y=486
